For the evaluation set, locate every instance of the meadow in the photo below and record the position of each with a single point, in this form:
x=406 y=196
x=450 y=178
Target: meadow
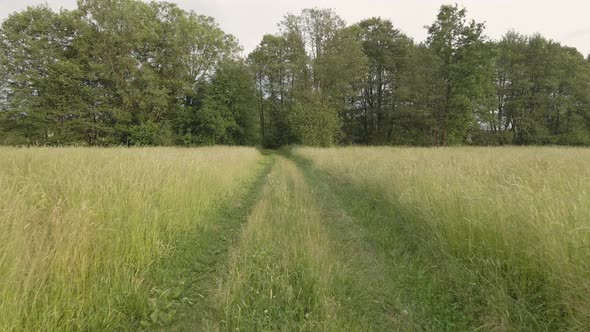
x=83 y=230
x=505 y=229
x=362 y=239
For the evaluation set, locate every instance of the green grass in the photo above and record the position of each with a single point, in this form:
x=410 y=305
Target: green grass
x=389 y=286
x=361 y=239
x=306 y=260
x=504 y=229
x=196 y=266
x=82 y=230
x=282 y=274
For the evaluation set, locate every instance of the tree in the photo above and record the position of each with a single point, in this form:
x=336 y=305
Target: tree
x=135 y=73
x=383 y=93
x=107 y=71
x=200 y=47
x=314 y=55
x=511 y=84
x=229 y=112
x=44 y=87
x=541 y=92
x=279 y=65
x=463 y=67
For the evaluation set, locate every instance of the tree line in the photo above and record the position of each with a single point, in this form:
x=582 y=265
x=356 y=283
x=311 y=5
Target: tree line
x=125 y=72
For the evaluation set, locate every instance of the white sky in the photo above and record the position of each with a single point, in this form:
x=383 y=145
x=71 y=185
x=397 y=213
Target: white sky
x=566 y=21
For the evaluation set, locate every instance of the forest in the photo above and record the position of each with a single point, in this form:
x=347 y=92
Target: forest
x=125 y=72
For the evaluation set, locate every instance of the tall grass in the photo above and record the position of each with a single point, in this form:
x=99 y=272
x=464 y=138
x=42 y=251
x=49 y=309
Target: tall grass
x=506 y=229
x=283 y=273
x=80 y=229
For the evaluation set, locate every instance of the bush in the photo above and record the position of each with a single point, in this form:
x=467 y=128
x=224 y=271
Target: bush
x=314 y=122
x=13 y=139
x=150 y=134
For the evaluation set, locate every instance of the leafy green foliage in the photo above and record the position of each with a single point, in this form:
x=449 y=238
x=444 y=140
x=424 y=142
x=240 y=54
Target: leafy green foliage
x=109 y=72
x=461 y=57
x=384 y=90
x=112 y=72
x=542 y=93
x=229 y=112
x=314 y=122
x=149 y=134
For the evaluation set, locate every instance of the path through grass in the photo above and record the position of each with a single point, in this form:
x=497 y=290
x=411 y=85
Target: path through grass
x=229 y=239
x=304 y=261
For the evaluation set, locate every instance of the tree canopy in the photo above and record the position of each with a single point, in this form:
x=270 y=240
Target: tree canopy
x=125 y=72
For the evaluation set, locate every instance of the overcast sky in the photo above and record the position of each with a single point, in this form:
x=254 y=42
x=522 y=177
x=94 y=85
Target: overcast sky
x=566 y=21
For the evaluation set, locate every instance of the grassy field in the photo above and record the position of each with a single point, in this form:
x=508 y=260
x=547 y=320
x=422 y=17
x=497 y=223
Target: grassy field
x=506 y=230
x=307 y=239
x=83 y=231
